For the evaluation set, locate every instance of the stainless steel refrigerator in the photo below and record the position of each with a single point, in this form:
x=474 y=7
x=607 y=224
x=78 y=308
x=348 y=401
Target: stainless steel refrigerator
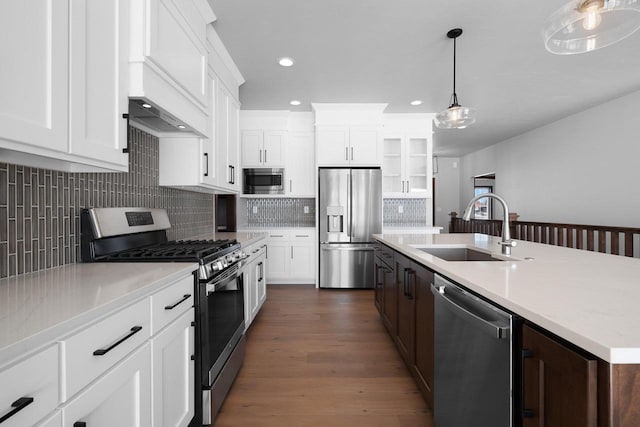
x=349 y=212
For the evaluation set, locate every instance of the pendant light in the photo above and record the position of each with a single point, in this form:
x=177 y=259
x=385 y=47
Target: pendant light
x=584 y=25
x=456 y=116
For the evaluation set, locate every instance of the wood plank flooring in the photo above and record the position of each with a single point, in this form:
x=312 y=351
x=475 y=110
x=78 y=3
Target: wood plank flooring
x=322 y=358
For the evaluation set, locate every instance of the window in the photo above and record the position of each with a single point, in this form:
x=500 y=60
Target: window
x=482 y=208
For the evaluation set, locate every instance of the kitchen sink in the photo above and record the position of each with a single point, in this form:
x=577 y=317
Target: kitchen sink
x=459 y=254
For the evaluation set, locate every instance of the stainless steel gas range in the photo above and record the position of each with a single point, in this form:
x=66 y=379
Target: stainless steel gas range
x=139 y=235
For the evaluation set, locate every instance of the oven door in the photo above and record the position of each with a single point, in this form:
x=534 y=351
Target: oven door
x=222 y=321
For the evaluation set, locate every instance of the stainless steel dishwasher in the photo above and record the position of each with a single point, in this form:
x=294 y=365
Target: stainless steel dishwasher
x=473 y=384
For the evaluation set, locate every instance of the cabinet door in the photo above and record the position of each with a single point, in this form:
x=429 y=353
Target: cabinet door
x=273 y=149
x=389 y=315
x=405 y=277
x=208 y=155
x=393 y=180
x=332 y=146
x=417 y=166
x=122 y=397
x=364 y=146
x=378 y=277
x=424 y=331
x=302 y=260
x=33 y=77
x=223 y=170
x=233 y=150
x=53 y=421
x=176 y=50
x=248 y=281
x=560 y=385
x=300 y=171
x=251 y=147
x=261 y=280
x=99 y=86
x=278 y=255
x=173 y=374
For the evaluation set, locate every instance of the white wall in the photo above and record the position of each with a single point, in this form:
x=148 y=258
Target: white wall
x=583 y=169
x=447 y=191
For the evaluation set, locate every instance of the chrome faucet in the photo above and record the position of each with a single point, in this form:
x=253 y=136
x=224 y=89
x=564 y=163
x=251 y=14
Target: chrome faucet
x=506 y=242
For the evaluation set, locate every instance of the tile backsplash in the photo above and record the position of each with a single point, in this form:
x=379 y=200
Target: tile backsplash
x=277 y=212
x=414 y=212
x=40 y=209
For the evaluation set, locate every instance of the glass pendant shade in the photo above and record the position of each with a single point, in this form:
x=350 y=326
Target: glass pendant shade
x=584 y=25
x=456 y=117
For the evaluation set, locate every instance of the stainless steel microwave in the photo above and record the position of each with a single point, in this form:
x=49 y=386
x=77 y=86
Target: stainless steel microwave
x=263 y=181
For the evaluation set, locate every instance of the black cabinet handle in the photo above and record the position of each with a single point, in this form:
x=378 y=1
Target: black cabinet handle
x=525 y=354
x=409 y=293
x=171 y=307
x=206 y=155
x=126 y=149
x=406 y=281
x=17 y=406
x=103 y=351
x=80 y=424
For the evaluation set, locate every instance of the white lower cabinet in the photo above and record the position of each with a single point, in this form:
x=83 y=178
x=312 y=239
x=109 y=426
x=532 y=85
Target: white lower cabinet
x=291 y=256
x=119 y=398
x=29 y=389
x=255 y=290
x=132 y=367
x=172 y=380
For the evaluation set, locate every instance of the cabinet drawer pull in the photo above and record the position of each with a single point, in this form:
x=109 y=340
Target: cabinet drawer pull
x=125 y=150
x=103 y=351
x=524 y=354
x=265 y=156
x=260 y=156
x=302 y=235
x=80 y=424
x=276 y=235
x=206 y=156
x=17 y=406
x=171 y=307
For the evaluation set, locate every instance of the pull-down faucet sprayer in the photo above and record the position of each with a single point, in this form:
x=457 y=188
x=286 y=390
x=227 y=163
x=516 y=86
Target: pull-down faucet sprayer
x=506 y=242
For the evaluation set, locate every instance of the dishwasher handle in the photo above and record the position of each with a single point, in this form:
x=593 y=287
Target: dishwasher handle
x=489 y=326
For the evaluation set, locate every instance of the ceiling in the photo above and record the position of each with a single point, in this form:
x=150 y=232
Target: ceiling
x=393 y=52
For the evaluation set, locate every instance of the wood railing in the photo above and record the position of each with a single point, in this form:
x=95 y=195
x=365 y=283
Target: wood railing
x=597 y=238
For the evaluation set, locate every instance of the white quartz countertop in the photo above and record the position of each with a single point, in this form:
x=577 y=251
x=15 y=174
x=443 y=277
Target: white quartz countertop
x=245 y=238
x=411 y=230
x=40 y=307
x=588 y=298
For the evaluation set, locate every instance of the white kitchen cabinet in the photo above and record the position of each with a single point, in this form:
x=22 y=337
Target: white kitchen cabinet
x=254 y=281
x=30 y=388
x=291 y=255
x=54 y=420
x=169 y=58
x=227 y=124
x=348 y=146
x=99 y=83
x=263 y=148
x=172 y=380
x=62 y=105
x=407 y=166
x=300 y=168
x=119 y=398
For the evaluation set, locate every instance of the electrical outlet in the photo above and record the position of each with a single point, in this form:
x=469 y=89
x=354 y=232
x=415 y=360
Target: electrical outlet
x=400 y=209
x=306 y=209
x=255 y=209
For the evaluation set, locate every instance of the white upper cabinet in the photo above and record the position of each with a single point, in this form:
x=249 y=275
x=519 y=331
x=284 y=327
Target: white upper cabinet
x=65 y=91
x=99 y=83
x=263 y=148
x=33 y=76
x=300 y=167
x=407 y=156
x=348 y=134
x=168 y=60
x=227 y=144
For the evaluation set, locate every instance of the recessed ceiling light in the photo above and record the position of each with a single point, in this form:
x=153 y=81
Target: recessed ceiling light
x=145 y=105
x=182 y=127
x=285 y=62
x=295 y=102
x=416 y=102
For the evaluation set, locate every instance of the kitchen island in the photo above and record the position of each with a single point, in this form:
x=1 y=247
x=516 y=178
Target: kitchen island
x=584 y=300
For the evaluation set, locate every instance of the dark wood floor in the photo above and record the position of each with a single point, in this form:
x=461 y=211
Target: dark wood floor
x=322 y=358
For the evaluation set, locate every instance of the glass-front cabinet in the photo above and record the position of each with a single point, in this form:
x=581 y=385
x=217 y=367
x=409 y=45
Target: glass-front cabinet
x=406 y=169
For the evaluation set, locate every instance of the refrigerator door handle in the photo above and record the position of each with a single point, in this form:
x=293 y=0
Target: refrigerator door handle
x=365 y=248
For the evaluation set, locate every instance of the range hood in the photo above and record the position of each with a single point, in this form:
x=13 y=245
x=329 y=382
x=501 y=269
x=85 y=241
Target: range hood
x=144 y=113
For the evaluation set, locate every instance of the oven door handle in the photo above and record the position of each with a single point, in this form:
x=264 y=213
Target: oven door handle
x=217 y=286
